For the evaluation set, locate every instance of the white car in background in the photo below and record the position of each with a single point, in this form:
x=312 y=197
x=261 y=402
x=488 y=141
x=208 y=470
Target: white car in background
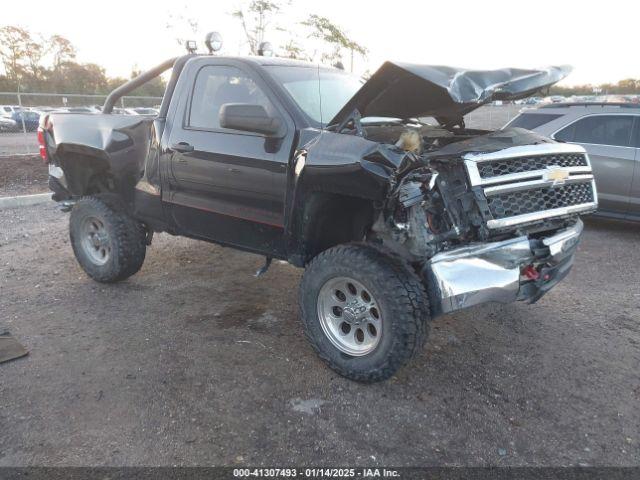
x=9 y=110
x=7 y=124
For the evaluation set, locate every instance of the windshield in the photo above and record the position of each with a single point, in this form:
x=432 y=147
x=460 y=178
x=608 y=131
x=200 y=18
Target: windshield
x=320 y=103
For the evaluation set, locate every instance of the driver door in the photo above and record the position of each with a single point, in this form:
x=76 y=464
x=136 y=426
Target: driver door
x=226 y=185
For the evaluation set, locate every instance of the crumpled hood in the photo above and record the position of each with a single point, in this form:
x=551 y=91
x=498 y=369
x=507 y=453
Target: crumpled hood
x=405 y=90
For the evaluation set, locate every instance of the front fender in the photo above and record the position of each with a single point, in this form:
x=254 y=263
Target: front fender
x=331 y=163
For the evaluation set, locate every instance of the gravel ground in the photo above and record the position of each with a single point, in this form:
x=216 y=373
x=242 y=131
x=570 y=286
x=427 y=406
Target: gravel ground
x=22 y=175
x=193 y=361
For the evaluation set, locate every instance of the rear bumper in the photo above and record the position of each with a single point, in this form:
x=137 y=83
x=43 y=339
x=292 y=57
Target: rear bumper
x=491 y=272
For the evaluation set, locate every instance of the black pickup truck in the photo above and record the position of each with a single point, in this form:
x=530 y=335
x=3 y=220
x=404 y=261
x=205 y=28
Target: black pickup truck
x=396 y=210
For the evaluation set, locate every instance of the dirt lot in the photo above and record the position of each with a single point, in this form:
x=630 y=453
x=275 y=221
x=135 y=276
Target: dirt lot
x=194 y=361
x=22 y=175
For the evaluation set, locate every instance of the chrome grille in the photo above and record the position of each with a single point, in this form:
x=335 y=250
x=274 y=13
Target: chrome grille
x=529 y=201
x=528 y=164
x=532 y=183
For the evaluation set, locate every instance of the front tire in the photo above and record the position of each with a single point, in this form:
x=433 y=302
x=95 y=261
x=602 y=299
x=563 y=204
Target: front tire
x=363 y=311
x=109 y=244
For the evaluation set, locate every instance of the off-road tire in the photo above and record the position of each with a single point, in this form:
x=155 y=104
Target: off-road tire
x=126 y=236
x=399 y=293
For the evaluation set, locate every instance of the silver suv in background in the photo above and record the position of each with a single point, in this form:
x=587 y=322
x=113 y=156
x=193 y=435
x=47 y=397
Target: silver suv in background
x=611 y=135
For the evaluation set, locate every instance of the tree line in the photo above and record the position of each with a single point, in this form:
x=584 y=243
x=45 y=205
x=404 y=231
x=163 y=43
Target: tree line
x=628 y=86
x=33 y=63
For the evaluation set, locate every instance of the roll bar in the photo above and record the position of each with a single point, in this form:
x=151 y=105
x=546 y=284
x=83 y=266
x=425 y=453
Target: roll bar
x=135 y=83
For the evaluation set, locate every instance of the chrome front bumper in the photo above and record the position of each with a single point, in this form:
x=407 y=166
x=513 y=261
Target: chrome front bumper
x=491 y=272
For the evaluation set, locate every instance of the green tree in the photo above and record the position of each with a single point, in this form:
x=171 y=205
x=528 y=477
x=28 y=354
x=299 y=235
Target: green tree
x=72 y=77
x=294 y=51
x=335 y=38
x=153 y=88
x=62 y=49
x=114 y=82
x=35 y=52
x=23 y=58
x=628 y=85
x=256 y=18
x=14 y=43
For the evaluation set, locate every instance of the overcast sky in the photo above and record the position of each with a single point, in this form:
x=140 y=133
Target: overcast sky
x=597 y=39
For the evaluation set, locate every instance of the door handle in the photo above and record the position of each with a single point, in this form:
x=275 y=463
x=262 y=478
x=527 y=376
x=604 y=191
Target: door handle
x=182 y=147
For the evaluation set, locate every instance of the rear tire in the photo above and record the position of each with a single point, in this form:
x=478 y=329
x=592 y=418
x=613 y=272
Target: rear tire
x=364 y=312
x=109 y=244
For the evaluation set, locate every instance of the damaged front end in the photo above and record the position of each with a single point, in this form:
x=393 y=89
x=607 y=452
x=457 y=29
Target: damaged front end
x=484 y=216
x=489 y=227
x=520 y=268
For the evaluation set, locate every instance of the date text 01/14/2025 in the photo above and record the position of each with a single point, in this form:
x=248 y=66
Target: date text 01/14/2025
x=316 y=473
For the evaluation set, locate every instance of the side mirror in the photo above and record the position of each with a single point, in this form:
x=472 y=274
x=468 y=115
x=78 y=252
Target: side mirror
x=248 y=118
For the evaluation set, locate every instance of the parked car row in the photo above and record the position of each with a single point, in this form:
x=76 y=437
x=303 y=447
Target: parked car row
x=13 y=117
x=633 y=99
x=610 y=133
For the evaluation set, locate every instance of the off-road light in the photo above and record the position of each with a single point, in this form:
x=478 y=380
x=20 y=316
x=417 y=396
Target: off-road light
x=213 y=41
x=191 y=46
x=265 y=49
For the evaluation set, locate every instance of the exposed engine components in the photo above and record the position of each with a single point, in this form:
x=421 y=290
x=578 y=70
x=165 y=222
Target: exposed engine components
x=419 y=237
x=429 y=209
x=405 y=224
x=410 y=194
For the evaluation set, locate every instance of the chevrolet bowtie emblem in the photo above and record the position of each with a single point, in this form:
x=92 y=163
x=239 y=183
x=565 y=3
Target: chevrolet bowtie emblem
x=556 y=175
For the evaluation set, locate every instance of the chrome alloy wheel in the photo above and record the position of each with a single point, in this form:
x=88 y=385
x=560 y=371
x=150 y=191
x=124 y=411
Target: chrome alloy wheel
x=95 y=240
x=349 y=316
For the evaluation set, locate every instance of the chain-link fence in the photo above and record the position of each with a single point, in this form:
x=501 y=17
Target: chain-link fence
x=492 y=117
x=20 y=114
x=17 y=130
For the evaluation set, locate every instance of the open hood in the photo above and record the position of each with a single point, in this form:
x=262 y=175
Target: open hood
x=404 y=90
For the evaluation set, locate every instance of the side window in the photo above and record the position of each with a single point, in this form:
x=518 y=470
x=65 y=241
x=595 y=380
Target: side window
x=566 y=134
x=600 y=130
x=217 y=85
